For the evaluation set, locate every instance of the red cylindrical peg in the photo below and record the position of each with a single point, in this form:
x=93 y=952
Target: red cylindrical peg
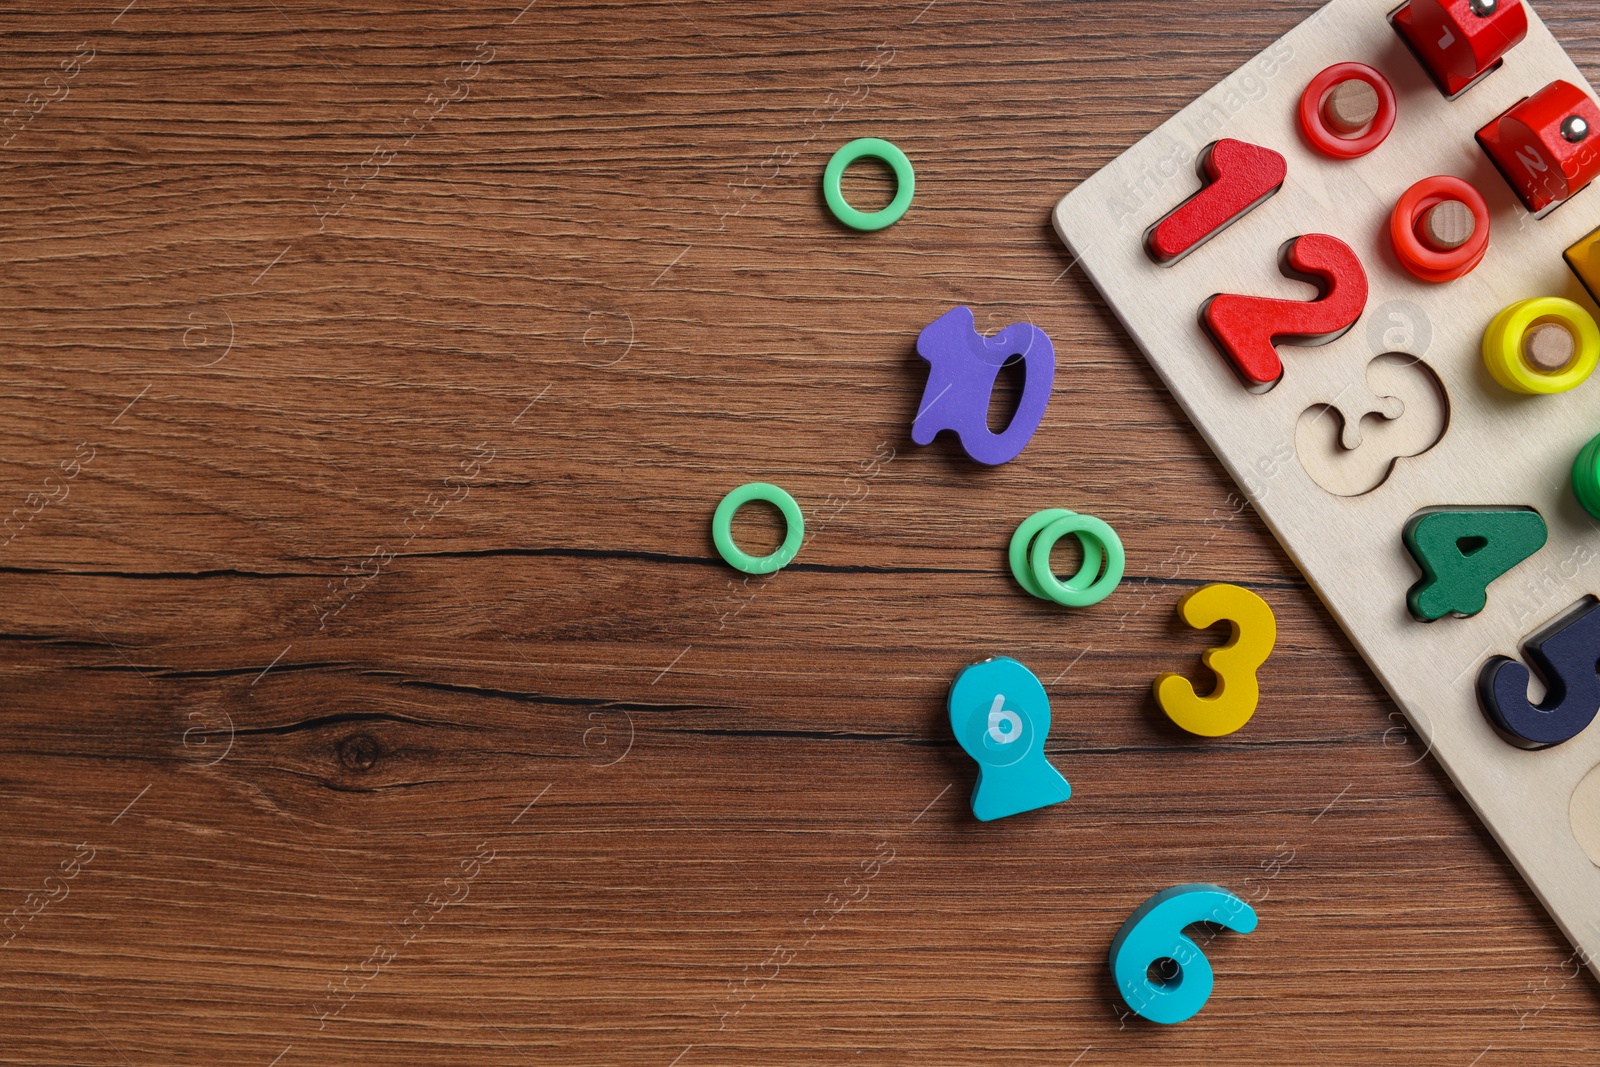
x=1458 y=41
x=1548 y=145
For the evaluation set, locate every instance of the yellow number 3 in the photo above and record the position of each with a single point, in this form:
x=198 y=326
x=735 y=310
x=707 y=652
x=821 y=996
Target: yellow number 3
x=1235 y=663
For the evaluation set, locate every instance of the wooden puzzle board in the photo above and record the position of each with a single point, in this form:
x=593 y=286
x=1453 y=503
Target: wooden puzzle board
x=1497 y=448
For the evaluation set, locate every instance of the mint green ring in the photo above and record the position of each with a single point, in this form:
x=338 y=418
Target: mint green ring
x=1022 y=541
x=1087 y=527
x=1586 y=477
x=905 y=183
x=722 y=528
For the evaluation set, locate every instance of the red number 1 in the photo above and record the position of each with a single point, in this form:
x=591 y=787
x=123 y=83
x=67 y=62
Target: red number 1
x=1238 y=177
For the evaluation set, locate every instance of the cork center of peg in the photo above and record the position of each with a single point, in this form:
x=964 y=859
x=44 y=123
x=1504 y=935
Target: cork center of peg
x=1350 y=107
x=1549 y=347
x=1447 y=226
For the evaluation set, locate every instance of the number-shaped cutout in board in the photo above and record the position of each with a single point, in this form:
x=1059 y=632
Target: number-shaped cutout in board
x=1350 y=444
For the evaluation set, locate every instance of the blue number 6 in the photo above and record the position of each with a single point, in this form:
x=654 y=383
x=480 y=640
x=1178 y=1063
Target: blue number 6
x=1154 y=932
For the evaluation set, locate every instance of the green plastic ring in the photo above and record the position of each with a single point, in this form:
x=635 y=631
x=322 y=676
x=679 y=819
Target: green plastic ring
x=1022 y=541
x=722 y=528
x=1586 y=477
x=905 y=183
x=1086 y=527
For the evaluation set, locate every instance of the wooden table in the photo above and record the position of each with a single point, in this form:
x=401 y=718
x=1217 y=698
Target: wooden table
x=372 y=693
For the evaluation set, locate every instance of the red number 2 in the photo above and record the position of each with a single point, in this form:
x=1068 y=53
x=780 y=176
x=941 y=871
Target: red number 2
x=1247 y=329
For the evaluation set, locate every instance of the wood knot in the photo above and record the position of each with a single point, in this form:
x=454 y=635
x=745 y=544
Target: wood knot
x=359 y=752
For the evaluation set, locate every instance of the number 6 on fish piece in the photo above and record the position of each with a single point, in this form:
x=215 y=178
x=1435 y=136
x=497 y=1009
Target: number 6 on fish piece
x=1001 y=715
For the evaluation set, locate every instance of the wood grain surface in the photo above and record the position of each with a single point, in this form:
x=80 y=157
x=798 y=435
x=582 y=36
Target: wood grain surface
x=373 y=693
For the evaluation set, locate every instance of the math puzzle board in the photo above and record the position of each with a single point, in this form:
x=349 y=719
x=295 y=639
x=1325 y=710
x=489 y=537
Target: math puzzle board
x=1433 y=427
